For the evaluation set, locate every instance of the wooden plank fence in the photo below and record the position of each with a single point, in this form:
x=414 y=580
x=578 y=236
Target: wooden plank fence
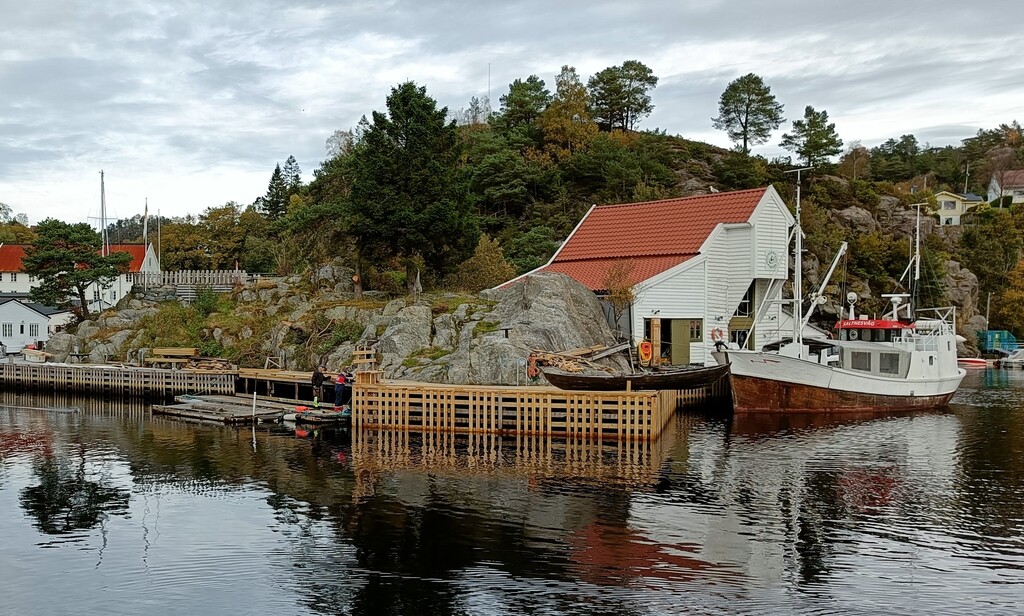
x=636 y=415
x=115 y=379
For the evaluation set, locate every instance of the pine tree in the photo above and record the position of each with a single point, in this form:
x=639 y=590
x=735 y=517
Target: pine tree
x=748 y=112
x=814 y=138
x=66 y=260
x=620 y=95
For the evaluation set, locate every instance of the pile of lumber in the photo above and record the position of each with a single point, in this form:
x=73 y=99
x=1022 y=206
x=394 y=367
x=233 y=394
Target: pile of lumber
x=210 y=364
x=571 y=361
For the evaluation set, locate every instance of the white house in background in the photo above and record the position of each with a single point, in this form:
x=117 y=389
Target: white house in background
x=699 y=267
x=14 y=279
x=951 y=206
x=1007 y=184
x=23 y=324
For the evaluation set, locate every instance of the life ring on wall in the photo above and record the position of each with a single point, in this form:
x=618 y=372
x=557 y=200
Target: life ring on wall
x=853 y=334
x=717 y=335
x=532 y=370
x=645 y=351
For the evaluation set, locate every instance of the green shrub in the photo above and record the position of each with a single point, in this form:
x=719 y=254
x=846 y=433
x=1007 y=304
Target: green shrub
x=342 y=331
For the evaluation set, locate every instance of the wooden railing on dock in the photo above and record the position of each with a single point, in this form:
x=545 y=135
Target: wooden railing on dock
x=635 y=415
x=115 y=379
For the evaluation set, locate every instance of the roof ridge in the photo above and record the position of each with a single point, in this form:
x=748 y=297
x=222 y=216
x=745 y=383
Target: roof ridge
x=731 y=193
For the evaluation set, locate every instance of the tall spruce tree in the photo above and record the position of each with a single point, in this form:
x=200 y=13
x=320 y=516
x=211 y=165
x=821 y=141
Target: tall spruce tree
x=274 y=204
x=748 y=112
x=408 y=196
x=292 y=175
x=814 y=138
x=66 y=260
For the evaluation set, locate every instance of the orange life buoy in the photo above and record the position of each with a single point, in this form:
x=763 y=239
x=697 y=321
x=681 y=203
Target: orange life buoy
x=718 y=335
x=645 y=350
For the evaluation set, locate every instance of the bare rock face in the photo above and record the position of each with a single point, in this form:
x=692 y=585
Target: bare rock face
x=962 y=289
x=408 y=332
x=543 y=311
x=856 y=218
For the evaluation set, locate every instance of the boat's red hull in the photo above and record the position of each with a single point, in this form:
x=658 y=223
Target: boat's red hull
x=757 y=395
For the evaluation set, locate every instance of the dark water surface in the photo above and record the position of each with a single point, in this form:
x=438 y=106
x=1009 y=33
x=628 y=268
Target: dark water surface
x=108 y=510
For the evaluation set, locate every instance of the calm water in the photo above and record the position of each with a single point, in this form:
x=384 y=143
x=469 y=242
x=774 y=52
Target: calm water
x=108 y=510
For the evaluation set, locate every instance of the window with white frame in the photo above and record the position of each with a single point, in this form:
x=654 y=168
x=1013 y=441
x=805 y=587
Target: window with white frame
x=113 y=296
x=14 y=276
x=96 y=295
x=948 y=205
x=31 y=278
x=8 y=330
x=33 y=330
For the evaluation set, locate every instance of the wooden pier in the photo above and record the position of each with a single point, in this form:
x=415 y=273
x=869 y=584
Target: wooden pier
x=110 y=379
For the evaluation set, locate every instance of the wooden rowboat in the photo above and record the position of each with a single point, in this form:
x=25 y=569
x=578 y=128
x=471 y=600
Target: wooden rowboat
x=675 y=378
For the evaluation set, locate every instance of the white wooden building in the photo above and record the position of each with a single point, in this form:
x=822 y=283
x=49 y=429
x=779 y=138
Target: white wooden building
x=14 y=279
x=698 y=267
x=23 y=324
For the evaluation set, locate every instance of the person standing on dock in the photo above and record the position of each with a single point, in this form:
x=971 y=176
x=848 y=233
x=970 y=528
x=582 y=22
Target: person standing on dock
x=317 y=381
x=342 y=389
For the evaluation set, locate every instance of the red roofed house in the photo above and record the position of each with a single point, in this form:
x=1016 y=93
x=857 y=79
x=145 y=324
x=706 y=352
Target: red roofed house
x=14 y=279
x=699 y=267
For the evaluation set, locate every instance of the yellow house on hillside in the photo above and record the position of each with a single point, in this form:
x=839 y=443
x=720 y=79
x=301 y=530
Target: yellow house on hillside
x=951 y=206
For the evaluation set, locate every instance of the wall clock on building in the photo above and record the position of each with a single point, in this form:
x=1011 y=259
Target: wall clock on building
x=771 y=259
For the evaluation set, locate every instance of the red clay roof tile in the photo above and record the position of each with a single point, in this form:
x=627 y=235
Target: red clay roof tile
x=653 y=236
x=12 y=254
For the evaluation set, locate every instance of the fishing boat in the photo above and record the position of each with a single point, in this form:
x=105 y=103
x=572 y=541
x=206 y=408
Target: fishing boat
x=900 y=362
x=671 y=378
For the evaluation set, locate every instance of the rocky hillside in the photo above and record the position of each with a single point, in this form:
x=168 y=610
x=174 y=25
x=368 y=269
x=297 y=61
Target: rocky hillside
x=316 y=319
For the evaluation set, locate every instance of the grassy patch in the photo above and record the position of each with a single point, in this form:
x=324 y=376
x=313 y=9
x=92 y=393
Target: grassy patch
x=485 y=327
x=430 y=353
x=367 y=303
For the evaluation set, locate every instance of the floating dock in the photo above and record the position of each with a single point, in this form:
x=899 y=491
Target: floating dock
x=115 y=379
x=226 y=409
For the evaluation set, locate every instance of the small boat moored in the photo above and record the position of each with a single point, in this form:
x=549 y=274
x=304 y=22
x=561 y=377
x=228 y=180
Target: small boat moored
x=971 y=362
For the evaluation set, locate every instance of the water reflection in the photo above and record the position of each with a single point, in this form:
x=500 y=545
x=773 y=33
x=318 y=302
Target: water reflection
x=798 y=515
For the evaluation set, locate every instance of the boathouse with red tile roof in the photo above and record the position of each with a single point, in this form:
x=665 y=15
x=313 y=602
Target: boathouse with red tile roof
x=697 y=266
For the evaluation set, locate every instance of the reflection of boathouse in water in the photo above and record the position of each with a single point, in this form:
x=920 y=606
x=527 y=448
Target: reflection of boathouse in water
x=698 y=267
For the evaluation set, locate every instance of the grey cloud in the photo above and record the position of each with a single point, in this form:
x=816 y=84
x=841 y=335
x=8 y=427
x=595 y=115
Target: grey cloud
x=190 y=85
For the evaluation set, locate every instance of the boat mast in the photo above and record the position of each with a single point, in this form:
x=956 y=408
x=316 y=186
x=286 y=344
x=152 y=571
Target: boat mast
x=798 y=296
x=104 y=250
x=917 y=262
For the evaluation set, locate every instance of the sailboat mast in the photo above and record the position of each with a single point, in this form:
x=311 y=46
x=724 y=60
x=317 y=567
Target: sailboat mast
x=104 y=249
x=798 y=295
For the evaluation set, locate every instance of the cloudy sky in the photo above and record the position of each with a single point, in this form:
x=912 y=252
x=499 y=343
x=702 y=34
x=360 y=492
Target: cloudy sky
x=190 y=104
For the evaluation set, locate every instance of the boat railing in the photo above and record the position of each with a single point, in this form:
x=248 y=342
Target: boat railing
x=935 y=327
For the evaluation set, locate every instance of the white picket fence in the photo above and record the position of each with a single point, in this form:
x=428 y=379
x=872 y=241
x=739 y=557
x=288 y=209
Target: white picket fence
x=191 y=278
